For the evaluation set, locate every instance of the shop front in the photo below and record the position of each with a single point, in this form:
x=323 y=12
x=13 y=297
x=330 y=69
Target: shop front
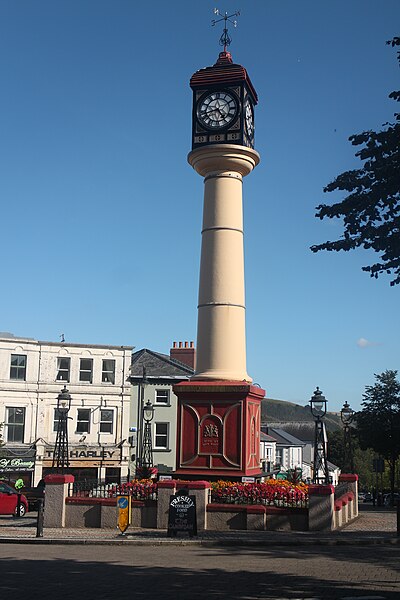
x=104 y=463
x=17 y=463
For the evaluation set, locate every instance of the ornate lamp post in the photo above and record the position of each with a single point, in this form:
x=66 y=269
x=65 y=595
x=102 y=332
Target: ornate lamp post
x=320 y=463
x=140 y=434
x=147 y=447
x=60 y=456
x=347 y=417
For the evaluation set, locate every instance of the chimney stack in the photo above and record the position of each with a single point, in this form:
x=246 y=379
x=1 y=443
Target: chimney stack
x=184 y=352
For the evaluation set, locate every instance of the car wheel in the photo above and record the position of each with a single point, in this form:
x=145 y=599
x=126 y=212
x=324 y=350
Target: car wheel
x=22 y=511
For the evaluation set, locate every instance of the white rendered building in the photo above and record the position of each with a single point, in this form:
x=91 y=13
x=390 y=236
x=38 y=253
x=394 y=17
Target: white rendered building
x=32 y=374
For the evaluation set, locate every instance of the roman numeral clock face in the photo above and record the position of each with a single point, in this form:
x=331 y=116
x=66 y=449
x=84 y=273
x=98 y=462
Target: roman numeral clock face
x=217 y=110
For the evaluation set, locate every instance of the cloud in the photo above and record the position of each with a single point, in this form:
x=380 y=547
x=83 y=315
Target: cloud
x=363 y=343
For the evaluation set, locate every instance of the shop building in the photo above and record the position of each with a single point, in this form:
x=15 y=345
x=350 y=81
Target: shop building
x=32 y=374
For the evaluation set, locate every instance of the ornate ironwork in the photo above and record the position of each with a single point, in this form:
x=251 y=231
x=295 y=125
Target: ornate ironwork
x=147 y=448
x=320 y=463
x=61 y=454
x=347 y=416
x=225 y=40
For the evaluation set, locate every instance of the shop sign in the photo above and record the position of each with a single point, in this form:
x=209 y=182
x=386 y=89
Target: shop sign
x=89 y=453
x=182 y=514
x=14 y=463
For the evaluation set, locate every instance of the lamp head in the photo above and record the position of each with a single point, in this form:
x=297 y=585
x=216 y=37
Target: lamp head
x=64 y=400
x=347 y=414
x=148 y=411
x=318 y=404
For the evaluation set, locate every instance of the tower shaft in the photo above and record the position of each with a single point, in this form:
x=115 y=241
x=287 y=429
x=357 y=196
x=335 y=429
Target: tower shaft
x=221 y=338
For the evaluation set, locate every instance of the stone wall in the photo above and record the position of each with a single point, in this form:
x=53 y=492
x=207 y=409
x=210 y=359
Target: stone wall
x=325 y=512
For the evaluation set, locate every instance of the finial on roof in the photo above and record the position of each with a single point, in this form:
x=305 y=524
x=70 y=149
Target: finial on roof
x=225 y=40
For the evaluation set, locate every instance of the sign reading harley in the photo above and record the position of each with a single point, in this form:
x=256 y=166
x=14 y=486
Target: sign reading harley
x=89 y=453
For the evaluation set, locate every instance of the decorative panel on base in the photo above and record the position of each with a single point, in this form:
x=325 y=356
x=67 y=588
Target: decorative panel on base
x=218 y=429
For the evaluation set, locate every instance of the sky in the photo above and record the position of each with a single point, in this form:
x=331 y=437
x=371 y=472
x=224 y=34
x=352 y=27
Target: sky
x=101 y=213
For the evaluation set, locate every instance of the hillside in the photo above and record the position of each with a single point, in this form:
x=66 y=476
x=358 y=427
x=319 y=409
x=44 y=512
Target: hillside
x=279 y=411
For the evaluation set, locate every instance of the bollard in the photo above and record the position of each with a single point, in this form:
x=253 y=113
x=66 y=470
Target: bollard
x=40 y=519
x=398 y=515
x=19 y=504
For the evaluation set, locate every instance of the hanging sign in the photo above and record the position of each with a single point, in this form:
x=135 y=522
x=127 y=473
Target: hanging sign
x=124 y=512
x=182 y=514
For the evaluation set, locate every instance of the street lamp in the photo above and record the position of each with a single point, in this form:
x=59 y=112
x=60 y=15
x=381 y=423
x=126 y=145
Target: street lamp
x=143 y=383
x=347 y=417
x=320 y=463
x=147 y=450
x=60 y=455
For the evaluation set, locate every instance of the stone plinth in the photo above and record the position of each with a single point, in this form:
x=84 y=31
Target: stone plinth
x=218 y=429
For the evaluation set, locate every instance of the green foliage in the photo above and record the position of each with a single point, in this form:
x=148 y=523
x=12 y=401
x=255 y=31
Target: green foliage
x=363 y=459
x=378 y=423
x=371 y=210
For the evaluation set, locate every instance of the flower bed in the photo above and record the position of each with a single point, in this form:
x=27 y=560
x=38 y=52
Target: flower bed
x=273 y=492
x=139 y=489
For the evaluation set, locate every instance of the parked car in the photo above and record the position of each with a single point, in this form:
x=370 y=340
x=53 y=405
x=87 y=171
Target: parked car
x=34 y=494
x=9 y=501
x=386 y=499
x=367 y=497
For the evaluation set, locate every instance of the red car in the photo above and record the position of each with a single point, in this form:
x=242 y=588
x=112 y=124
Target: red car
x=9 y=500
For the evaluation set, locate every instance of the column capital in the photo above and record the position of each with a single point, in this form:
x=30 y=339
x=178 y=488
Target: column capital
x=223 y=158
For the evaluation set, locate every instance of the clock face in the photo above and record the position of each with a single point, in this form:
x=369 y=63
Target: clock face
x=217 y=110
x=248 y=119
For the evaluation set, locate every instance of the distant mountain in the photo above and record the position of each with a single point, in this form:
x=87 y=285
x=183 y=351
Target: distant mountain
x=280 y=411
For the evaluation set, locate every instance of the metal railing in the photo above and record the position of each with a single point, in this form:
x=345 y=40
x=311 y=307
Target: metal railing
x=93 y=488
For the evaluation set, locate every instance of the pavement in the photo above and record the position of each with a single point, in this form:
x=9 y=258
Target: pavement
x=372 y=526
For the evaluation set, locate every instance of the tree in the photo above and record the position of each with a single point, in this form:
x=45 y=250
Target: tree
x=378 y=423
x=363 y=459
x=371 y=209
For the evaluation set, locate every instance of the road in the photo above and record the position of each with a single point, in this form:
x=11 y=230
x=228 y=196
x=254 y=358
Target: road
x=194 y=572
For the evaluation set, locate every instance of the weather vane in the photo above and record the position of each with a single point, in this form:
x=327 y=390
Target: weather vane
x=225 y=39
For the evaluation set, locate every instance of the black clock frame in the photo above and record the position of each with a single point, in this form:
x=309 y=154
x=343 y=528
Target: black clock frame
x=234 y=132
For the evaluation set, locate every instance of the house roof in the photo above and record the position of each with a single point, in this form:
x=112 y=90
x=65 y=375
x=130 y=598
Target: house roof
x=283 y=438
x=224 y=71
x=301 y=430
x=158 y=366
x=264 y=437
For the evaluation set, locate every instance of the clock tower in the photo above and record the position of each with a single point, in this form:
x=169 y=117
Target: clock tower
x=219 y=409
x=223 y=104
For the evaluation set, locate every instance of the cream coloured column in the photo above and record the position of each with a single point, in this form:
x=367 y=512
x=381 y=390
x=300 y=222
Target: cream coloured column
x=221 y=335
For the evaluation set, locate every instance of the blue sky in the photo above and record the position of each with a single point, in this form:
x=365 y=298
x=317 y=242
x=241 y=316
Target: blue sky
x=101 y=214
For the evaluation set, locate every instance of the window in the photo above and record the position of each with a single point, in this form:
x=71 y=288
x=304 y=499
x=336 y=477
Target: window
x=106 y=421
x=86 y=370
x=83 y=420
x=268 y=453
x=63 y=366
x=161 y=435
x=278 y=456
x=108 y=373
x=15 y=424
x=56 y=419
x=18 y=366
x=162 y=397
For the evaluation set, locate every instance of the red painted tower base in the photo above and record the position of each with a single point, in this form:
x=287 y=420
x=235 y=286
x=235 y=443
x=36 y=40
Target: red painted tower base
x=218 y=430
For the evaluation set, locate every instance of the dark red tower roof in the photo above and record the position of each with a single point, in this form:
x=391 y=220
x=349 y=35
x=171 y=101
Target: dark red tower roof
x=225 y=71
